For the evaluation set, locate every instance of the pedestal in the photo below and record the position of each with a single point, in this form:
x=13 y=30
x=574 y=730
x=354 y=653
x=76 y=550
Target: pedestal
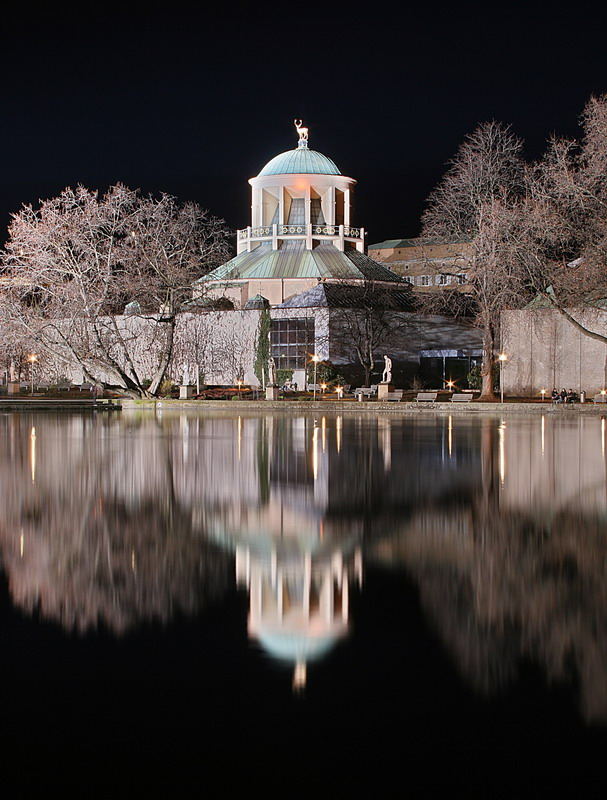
x=383 y=390
x=13 y=387
x=272 y=393
x=186 y=392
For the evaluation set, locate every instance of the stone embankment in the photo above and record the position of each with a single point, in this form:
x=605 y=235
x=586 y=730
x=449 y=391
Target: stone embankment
x=368 y=407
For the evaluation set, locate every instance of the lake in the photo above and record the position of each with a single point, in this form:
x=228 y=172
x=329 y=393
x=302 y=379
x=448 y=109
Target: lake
x=303 y=603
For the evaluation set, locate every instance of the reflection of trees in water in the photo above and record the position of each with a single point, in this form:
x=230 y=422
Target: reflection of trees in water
x=90 y=549
x=505 y=589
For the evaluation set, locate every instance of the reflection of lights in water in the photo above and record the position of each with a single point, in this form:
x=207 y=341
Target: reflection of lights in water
x=133 y=560
x=315 y=453
x=543 y=425
x=338 y=427
x=239 y=436
x=502 y=451
x=300 y=676
x=385 y=441
x=21 y=543
x=33 y=454
x=603 y=437
x=323 y=426
x=450 y=435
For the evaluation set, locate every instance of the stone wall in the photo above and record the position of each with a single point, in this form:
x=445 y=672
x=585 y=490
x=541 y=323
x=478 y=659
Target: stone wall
x=544 y=350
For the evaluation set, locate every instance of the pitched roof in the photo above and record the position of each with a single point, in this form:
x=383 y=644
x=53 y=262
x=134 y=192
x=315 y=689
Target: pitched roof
x=392 y=244
x=291 y=261
x=338 y=295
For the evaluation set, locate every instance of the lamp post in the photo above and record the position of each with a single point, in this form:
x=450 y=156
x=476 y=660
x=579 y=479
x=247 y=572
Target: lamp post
x=501 y=358
x=315 y=359
x=32 y=359
x=543 y=393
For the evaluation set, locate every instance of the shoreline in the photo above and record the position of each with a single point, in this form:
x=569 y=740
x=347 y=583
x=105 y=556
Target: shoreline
x=289 y=406
x=368 y=407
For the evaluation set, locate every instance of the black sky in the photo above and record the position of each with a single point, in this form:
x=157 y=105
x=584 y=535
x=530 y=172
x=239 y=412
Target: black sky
x=182 y=98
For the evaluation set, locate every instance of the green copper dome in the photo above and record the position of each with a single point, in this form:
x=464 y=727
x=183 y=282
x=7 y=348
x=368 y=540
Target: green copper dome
x=300 y=161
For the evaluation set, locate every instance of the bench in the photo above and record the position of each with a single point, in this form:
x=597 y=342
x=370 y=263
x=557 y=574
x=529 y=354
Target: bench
x=395 y=396
x=426 y=397
x=462 y=397
x=600 y=398
x=366 y=391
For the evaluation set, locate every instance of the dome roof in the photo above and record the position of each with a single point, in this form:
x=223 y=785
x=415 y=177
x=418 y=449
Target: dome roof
x=300 y=161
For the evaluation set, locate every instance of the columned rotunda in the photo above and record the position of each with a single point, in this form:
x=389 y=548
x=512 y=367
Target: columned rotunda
x=301 y=233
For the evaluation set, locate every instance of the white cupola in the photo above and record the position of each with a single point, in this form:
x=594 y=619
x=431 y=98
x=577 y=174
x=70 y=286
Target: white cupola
x=300 y=196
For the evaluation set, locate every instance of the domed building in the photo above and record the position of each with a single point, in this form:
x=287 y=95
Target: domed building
x=301 y=233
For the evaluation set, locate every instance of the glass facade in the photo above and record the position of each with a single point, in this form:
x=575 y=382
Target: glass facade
x=292 y=342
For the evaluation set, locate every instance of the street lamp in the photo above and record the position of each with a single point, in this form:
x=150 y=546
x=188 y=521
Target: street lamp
x=501 y=358
x=32 y=359
x=543 y=393
x=450 y=384
x=323 y=387
x=315 y=359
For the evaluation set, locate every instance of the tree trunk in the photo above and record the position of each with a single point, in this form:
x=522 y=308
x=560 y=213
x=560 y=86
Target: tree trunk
x=367 y=370
x=487 y=393
x=164 y=360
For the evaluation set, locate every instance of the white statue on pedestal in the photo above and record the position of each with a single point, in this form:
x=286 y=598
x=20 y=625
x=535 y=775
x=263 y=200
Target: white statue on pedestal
x=271 y=372
x=185 y=376
x=12 y=373
x=387 y=376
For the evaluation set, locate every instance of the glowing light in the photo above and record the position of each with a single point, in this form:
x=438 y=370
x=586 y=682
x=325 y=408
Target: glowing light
x=450 y=384
x=21 y=545
x=502 y=357
x=543 y=393
x=338 y=426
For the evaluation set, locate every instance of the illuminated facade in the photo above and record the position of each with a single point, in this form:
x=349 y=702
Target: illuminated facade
x=301 y=233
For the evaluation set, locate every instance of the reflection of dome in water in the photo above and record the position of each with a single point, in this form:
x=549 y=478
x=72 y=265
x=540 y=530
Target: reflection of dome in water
x=300 y=646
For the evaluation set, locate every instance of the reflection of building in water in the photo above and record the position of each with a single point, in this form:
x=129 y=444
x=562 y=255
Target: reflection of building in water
x=298 y=600
x=554 y=464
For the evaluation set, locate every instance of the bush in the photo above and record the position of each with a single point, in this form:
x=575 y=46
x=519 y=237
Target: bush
x=475 y=380
x=326 y=372
x=166 y=388
x=284 y=376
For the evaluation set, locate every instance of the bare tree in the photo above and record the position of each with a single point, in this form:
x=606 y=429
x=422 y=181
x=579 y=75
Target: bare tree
x=560 y=241
x=73 y=264
x=474 y=199
x=368 y=317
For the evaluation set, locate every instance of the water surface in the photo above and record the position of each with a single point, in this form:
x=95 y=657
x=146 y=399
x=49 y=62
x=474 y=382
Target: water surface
x=303 y=603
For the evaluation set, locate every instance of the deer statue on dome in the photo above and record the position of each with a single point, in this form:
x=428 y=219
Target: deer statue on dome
x=303 y=132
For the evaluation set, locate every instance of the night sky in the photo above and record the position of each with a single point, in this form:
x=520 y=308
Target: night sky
x=180 y=98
